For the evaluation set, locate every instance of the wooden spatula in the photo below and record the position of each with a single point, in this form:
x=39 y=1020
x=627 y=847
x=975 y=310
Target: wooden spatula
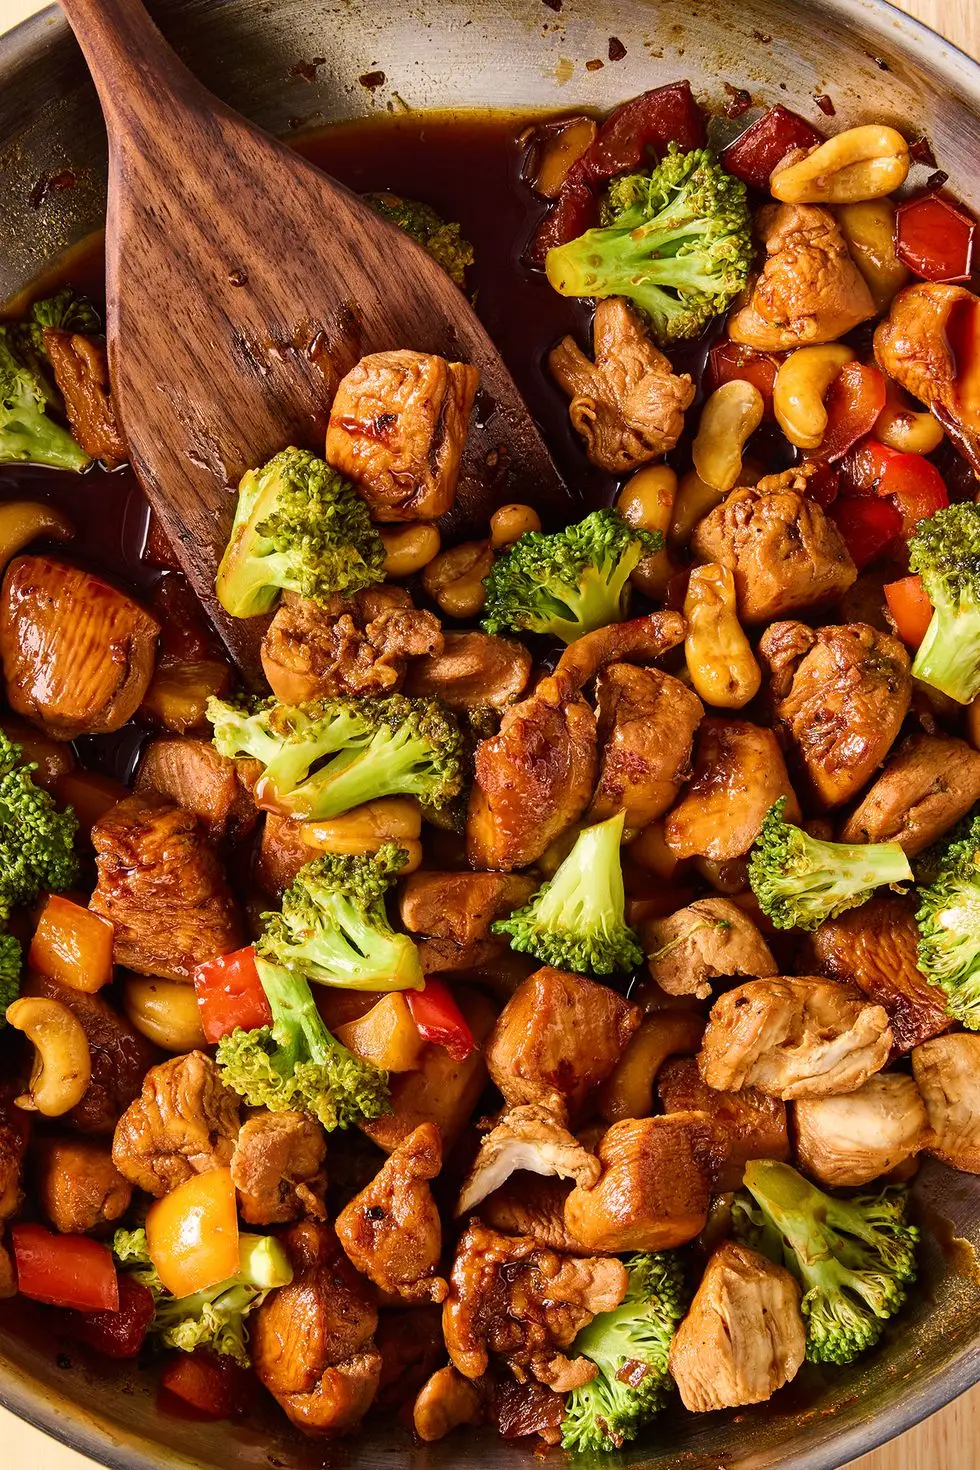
x=242 y=285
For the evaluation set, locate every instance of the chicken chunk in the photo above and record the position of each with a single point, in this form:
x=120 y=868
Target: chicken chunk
x=840 y=695
x=743 y=1337
x=184 y=1122
x=629 y=404
x=528 y=1138
x=784 y=553
x=79 y=1188
x=646 y=725
x=443 y=1403
x=510 y=1298
x=709 y=939
x=472 y=671
x=850 y=1140
x=460 y=906
x=793 y=1038
x=747 y=1124
x=928 y=784
x=81 y=371
x=947 y=1072
x=739 y=772
x=278 y=1168
x=809 y=291
x=77 y=653
x=398 y=424
x=533 y=1205
x=191 y=773
x=15 y=1132
x=162 y=886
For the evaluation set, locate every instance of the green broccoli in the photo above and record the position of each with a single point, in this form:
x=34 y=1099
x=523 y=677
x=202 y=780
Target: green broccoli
x=442 y=240
x=333 y=927
x=927 y=864
x=327 y=756
x=296 y=1064
x=945 y=552
x=37 y=852
x=11 y=964
x=28 y=396
x=215 y=1318
x=676 y=241
x=299 y=527
x=630 y=1347
x=854 y=1258
x=800 y=881
x=949 y=927
x=568 y=582
x=67 y=310
x=578 y=920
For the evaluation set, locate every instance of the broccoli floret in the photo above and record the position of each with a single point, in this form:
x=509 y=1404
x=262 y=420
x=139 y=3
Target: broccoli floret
x=854 y=1258
x=949 y=927
x=676 y=241
x=324 y=757
x=299 y=527
x=36 y=839
x=295 y=1064
x=800 y=881
x=67 y=310
x=333 y=927
x=578 y=920
x=569 y=582
x=945 y=552
x=441 y=239
x=630 y=1347
x=28 y=434
x=11 y=963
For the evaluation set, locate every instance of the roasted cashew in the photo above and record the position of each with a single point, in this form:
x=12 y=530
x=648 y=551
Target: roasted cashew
x=23 y=521
x=455 y=578
x=510 y=522
x=800 y=388
x=909 y=430
x=62 y=1062
x=861 y=163
x=166 y=1012
x=729 y=418
x=869 y=229
x=409 y=548
x=720 y=660
x=365 y=828
x=646 y=501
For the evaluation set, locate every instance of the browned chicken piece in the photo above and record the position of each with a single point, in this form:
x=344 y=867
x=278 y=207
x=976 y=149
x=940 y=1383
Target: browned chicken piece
x=81 y=371
x=472 y=671
x=709 y=939
x=876 y=948
x=784 y=553
x=15 y=1132
x=528 y=1138
x=398 y=424
x=809 y=291
x=445 y=1402
x=510 y=1298
x=743 y=1337
x=191 y=773
x=533 y=1205
x=460 y=906
x=312 y=1342
x=928 y=784
x=629 y=404
x=281 y=853
x=794 y=1038
x=78 y=1187
x=184 y=1122
x=354 y=645
x=646 y=725
x=77 y=653
x=517 y=1410
x=840 y=695
x=947 y=1072
x=391 y=1230
x=487 y=962
x=637 y=641
x=278 y=1168
x=163 y=887
x=557 y=1038
x=739 y=772
x=852 y=1139
x=748 y=1124
x=410 y=1342
x=8 y=1274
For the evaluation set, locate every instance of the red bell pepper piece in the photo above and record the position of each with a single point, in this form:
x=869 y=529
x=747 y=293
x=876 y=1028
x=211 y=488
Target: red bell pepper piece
x=867 y=525
x=115 y=1334
x=64 y=1270
x=730 y=360
x=753 y=156
x=863 y=467
x=915 y=487
x=823 y=484
x=440 y=1020
x=229 y=994
x=935 y=238
x=215 y=1387
x=855 y=399
x=911 y=610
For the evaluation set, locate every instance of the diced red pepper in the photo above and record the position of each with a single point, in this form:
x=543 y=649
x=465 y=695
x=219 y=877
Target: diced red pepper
x=855 y=399
x=730 y=360
x=116 y=1334
x=915 y=487
x=909 y=605
x=823 y=484
x=935 y=238
x=867 y=526
x=215 y=1387
x=863 y=467
x=574 y=211
x=440 y=1020
x=229 y=994
x=64 y=1270
x=754 y=155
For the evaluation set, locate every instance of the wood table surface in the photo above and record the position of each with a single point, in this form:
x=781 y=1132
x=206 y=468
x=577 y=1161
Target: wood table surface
x=950 y=1440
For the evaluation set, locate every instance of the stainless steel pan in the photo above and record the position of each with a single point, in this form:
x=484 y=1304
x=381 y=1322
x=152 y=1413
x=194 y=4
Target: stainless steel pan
x=875 y=64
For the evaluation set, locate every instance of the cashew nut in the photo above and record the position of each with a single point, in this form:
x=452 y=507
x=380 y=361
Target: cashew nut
x=23 y=521
x=861 y=163
x=366 y=828
x=800 y=388
x=455 y=578
x=907 y=429
x=166 y=1012
x=869 y=229
x=646 y=501
x=510 y=522
x=720 y=661
x=409 y=548
x=62 y=1063
x=695 y=500
x=729 y=418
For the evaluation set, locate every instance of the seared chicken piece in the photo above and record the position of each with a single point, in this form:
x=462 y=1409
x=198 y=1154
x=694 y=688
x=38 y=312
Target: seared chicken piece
x=163 y=887
x=928 y=784
x=472 y=671
x=184 y=1122
x=637 y=641
x=518 y=1409
x=784 y=553
x=281 y=853
x=398 y=424
x=79 y=1188
x=391 y=1230
x=794 y=1038
x=312 y=1342
x=278 y=1168
x=739 y=772
x=443 y=1403
x=743 y=1337
x=460 y=906
x=77 y=653
x=15 y=1132
x=529 y=1138
x=81 y=371
x=809 y=291
x=191 y=773
x=852 y=1139
x=512 y=1299
x=533 y=1205
x=354 y=645
x=646 y=725
x=629 y=404
x=840 y=695
x=557 y=1038
x=705 y=941
x=747 y=1124
x=947 y=1071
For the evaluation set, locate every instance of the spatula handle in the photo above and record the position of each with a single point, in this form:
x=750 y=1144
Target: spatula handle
x=137 y=74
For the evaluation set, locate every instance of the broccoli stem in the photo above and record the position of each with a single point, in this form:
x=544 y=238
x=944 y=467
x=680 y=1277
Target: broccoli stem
x=949 y=655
